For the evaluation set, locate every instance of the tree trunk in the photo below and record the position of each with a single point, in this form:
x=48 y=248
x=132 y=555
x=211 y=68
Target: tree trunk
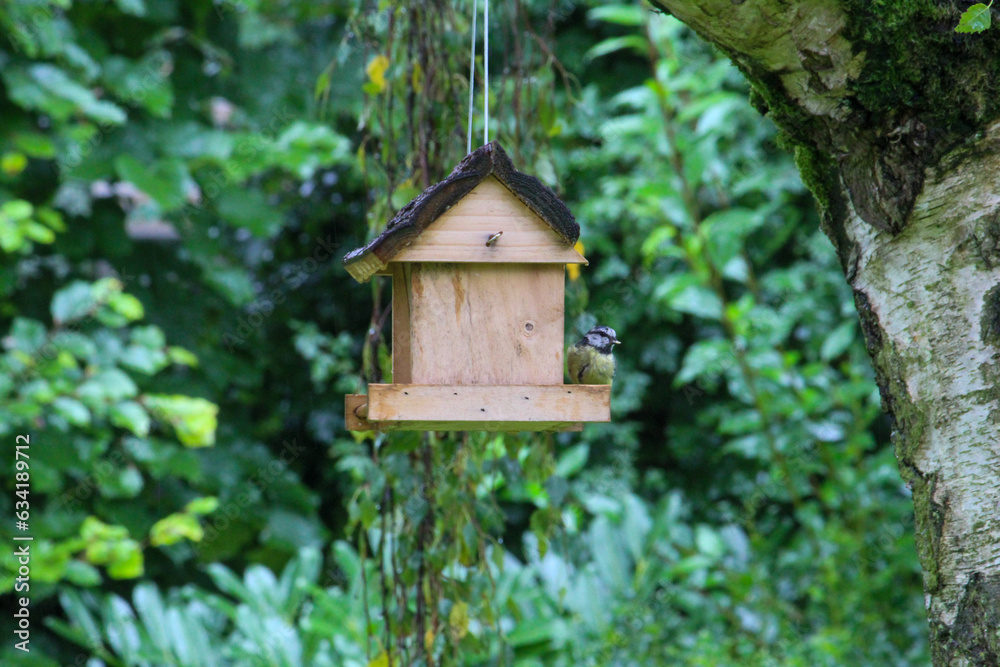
x=895 y=123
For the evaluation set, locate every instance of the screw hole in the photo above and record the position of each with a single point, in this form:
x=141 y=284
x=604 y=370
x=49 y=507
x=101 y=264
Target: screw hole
x=406 y=393
x=482 y=409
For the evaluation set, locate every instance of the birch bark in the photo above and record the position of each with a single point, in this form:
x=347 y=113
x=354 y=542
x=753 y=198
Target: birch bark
x=910 y=197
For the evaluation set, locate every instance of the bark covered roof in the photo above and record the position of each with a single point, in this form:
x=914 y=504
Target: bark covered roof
x=416 y=216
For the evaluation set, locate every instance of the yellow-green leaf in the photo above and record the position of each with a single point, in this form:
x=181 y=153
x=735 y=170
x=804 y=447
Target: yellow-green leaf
x=126 y=305
x=95 y=529
x=13 y=164
x=574 y=269
x=127 y=562
x=194 y=419
x=182 y=357
x=458 y=620
x=174 y=528
x=376 y=72
x=205 y=505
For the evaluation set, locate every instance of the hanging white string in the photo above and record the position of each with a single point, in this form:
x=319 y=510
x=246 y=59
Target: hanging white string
x=486 y=74
x=472 y=72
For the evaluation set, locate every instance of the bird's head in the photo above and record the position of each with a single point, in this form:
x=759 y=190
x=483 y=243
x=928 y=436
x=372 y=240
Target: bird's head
x=602 y=339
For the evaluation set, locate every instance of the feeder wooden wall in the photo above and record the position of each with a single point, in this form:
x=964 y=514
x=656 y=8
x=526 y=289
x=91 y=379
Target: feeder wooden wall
x=477 y=329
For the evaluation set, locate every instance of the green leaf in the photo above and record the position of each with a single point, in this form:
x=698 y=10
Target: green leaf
x=133 y=7
x=976 y=18
x=181 y=357
x=367 y=512
x=165 y=181
x=150 y=337
x=148 y=602
x=249 y=209
x=458 y=620
x=838 y=341
x=27 y=335
x=304 y=147
x=123 y=482
x=72 y=302
x=630 y=15
x=51 y=218
x=194 y=419
x=573 y=460
x=726 y=232
x=613 y=44
x=12 y=163
x=72 y=410
x=257 y=32
x=132 y=416
x=699 y=301
x=95 y=529
x=709 y=542
x=17 y=210
x=37 y=232
x=11 y=238
x=126 y=560
x=227 y=582
x=48 y=89
x=323 y=82
x=174 y=528
x=35 y=145
x=126 y=305
x=706 y=359
x=143 y=360
x=233 y=283
x=82 y=574
x=205 y=505
x=109 y=385
x=404 y=193
x=81 y=618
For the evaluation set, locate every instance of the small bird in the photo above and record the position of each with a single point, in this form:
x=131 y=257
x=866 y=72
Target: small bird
x=590 y=361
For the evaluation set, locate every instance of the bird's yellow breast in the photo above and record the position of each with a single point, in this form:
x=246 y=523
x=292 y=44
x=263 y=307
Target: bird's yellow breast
x=588 y=366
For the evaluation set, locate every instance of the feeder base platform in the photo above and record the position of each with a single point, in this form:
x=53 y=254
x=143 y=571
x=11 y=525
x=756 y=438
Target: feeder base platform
x=507 y=408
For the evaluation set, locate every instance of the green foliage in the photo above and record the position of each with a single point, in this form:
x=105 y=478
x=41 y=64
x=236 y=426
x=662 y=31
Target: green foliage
x=296 y=620
x=76 y=379
x=177 y=184
x=21 y=226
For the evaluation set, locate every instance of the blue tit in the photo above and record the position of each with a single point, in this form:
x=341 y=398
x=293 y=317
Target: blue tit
x=590 y=361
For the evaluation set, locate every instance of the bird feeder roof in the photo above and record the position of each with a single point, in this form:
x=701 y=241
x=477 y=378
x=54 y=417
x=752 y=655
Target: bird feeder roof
x=415 y=217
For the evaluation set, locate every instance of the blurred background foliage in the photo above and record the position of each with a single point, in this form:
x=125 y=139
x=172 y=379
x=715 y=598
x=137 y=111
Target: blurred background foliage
x=178 y=182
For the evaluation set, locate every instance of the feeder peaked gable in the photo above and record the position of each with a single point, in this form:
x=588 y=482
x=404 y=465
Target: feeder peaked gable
x=484 y=195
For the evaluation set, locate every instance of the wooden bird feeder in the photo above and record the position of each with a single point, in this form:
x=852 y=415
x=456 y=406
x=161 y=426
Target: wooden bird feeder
x=478 y=279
